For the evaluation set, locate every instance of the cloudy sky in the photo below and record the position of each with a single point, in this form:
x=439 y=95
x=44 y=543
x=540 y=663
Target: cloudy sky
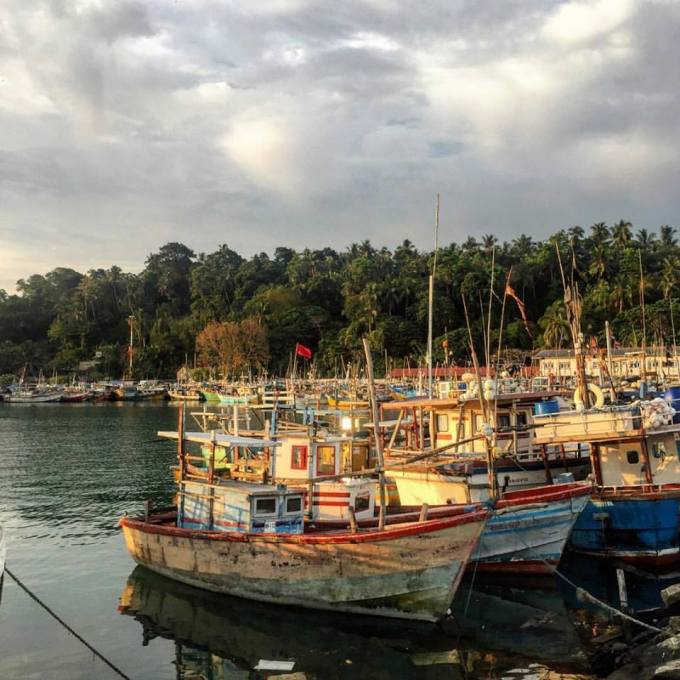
x=257 y=123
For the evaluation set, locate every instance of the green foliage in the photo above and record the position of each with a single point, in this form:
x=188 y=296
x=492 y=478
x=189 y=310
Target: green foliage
x=329 y=300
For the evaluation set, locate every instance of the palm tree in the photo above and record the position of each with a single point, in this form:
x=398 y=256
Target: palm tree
x=622 y=234
x=599 y=234
x=667 y=234
x=621 y=293
x=489 y=241
x=645 y=240
x=576 y=233
x=598 y=262
x=669 y=274
x=555 y=325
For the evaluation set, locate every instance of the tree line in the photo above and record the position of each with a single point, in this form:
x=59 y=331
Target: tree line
x=182 y=303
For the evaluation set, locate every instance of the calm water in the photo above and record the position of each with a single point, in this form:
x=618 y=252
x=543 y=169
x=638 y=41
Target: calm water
x=70 y=471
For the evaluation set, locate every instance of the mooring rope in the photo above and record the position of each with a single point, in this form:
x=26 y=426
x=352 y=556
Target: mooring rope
x=54 y=615
x=588 y=595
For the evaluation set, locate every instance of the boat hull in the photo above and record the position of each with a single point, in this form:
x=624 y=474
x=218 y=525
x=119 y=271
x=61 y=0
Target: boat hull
x=635 y=525
x=529 y=537
x=33 y=399
x=408 y=571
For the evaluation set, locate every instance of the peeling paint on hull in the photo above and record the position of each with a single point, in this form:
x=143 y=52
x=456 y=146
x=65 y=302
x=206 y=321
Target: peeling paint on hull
x=410 y=571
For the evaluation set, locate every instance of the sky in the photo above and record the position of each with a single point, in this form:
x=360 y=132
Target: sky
x=259 y=123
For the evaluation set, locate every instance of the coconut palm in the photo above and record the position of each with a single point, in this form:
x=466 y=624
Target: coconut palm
x=670 y=271
x=667 y=235
x=645 y=240
x=599 y=262
x=621 y=294
x=555 y=325
x=599 y=234
x=622 y=234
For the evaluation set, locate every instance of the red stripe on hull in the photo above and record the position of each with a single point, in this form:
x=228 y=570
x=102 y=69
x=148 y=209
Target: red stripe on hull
x=369 y=536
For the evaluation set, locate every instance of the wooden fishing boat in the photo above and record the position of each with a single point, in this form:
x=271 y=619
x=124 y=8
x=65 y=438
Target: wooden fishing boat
x=634 y=513
x=187 y=394
x=250 y=539
x=126 y=393
x=347 y=404
x=409 y=570
x=210 y=394
x=72 y=397
x=33 y=397
x=529 y=529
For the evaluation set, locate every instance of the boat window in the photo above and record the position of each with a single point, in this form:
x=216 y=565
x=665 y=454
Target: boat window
x=503 y=420
x=265 y=506
x=325 y=460
x=298 y=458
x=521 y=418
x=362 y=502
x=293 y=503
x=633 y=457
x=442 y=422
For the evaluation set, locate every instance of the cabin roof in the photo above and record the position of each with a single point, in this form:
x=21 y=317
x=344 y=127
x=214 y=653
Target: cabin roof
x=221 y=439
x=447 y=404
x=253 y=488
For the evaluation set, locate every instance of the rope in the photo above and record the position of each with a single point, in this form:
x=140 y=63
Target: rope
x=54 y=615
x=587 y=594
x=604 y=605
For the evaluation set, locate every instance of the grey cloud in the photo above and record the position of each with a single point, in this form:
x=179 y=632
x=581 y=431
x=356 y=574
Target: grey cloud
x=114 y=116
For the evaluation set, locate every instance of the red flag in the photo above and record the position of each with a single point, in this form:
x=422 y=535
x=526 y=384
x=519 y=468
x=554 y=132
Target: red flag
x=510 y=291
x=303 y=351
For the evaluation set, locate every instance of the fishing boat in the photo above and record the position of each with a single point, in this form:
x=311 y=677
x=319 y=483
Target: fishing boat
x=71 y=396
x=634 y=513
x=33 y=396
x=210 y=394
x=408 y=570
x=250 y=539
x=125 y=392
x=532 y=516
x=185 y=394
x=347 y=404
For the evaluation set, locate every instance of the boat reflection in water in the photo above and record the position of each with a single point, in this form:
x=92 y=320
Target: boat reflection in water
x=217 y=636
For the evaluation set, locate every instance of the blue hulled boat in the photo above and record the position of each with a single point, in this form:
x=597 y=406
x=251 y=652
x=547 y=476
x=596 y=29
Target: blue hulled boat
x=634 y=513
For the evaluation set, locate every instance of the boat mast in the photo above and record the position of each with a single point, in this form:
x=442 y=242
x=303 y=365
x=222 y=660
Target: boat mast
x=643 y=370
x=486 y=414
x=376 y=431
x=572 y=303
x=431 y=301
x=131 y=323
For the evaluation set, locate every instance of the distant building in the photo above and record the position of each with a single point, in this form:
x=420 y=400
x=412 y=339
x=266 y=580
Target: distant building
x=87 y=365
x=626 y=362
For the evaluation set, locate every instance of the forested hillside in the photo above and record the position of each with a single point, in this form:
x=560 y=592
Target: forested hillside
x=328 y=300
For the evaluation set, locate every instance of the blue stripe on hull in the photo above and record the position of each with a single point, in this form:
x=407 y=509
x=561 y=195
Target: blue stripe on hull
x=529 y=534
x=628 y=526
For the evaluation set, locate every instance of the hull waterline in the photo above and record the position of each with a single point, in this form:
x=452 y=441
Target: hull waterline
x=407 y=571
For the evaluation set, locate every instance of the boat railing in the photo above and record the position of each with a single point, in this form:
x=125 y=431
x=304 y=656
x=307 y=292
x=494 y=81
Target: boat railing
x=568 y=426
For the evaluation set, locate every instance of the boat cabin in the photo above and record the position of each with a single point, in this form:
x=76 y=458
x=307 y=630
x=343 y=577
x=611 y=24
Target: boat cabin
x=240 y=506
x=458 y=419
x=301 y=457
x=629 y=445
x=292 y=458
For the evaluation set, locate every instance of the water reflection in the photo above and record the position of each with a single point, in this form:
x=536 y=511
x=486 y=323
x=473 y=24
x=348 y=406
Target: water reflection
x=217 y=636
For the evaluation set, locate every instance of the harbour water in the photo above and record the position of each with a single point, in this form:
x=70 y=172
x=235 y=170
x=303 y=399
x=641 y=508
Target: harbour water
x=69 y=472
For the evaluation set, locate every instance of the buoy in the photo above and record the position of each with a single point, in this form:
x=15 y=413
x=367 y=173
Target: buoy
x=597 y=400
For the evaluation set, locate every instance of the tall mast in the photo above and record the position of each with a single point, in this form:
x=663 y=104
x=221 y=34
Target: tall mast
x=431 y=301
x=131 y=322
x=643 y=372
